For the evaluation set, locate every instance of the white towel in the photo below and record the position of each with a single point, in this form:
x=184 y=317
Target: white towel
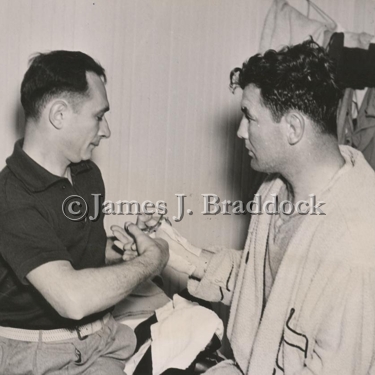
x=183 y=330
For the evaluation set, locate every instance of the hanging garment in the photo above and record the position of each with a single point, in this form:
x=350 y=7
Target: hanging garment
x=351 y=40
x=364 y=134
x=355 y=66
x=357 y=40
x=285 y=25
x=356 y=70
x=345 y=127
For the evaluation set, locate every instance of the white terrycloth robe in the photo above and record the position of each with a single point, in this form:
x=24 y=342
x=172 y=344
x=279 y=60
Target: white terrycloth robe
x=320 y=315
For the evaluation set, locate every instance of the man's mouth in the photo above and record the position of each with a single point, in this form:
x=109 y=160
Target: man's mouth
x=251 y=153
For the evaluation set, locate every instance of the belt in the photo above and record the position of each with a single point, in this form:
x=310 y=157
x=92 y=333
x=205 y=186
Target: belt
x=80 y=332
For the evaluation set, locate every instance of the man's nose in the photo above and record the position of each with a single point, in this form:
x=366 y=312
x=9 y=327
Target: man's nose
x=104 y=130
x=242 y=131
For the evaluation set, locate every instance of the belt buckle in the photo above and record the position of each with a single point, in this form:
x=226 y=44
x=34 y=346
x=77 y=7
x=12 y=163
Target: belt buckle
x=78 y=330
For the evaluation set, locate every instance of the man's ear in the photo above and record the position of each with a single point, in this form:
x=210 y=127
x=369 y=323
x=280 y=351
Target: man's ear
x=58 y=113
x=296 y=127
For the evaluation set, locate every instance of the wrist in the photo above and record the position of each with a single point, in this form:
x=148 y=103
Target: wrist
x=202 y=265
x=155 y=257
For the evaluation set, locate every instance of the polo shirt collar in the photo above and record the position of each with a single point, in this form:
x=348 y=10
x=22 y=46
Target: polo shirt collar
x=33 y=175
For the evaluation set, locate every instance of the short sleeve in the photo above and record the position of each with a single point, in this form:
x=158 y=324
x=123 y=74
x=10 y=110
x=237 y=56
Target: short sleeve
x=28 y=240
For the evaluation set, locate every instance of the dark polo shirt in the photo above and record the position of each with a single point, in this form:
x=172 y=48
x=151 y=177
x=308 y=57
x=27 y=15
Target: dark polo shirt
x=34 y=231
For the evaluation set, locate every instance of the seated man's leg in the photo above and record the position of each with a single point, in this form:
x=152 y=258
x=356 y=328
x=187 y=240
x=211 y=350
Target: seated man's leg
x=117 y=344
x=16 y=357
x=108 y=349
x=103 y=352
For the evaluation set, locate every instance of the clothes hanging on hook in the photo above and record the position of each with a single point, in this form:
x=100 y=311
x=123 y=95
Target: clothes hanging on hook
x=327 y=20
x=285 y=25
x=357 y=40
x=360 y=132
x=345 y=126
x=355 y=66
x=356 y=70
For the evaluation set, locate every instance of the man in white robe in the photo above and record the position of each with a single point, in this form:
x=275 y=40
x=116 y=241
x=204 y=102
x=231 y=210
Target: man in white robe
x=302 y=292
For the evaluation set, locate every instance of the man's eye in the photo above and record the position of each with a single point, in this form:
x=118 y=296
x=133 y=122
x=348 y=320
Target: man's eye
x=99 y=118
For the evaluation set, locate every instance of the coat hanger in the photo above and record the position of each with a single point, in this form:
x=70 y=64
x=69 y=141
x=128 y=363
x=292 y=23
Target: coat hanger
x=331 y=22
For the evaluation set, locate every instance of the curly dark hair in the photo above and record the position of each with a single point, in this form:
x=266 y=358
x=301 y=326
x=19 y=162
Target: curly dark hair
x=56 y=73
x=300 y=77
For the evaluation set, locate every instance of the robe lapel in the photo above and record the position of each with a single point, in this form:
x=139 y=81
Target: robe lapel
x=247 y=301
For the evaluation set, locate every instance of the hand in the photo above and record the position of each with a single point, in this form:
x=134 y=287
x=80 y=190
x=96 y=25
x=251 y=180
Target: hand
x=184 y=257
x=125 y=243
x=148 y=247
x=150 y=223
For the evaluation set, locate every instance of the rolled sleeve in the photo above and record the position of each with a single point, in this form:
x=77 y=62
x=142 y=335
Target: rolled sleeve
x=219 y=279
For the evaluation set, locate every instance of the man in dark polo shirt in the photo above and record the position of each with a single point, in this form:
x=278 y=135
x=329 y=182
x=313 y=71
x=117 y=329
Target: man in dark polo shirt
x=56 y=291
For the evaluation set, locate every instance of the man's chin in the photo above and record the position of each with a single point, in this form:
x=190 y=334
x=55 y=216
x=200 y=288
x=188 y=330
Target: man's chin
x=256 y=167
x=84 y=157
x=87 y=157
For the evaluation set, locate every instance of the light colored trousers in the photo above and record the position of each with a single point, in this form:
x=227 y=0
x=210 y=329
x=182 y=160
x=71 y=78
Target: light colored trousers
x=103 y=352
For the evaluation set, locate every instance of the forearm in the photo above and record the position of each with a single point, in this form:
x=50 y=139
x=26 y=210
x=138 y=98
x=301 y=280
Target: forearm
x=98 y=289
x=111 y=255
x=75 y=294
x=201 y=264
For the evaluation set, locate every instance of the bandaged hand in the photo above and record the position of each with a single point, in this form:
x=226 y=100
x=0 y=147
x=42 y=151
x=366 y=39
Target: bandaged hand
x=183 y=256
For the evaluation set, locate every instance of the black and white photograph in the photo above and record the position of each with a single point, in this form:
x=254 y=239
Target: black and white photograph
x=187 y=187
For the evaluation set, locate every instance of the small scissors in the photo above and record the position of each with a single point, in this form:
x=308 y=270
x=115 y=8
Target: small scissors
x=153 y=228
x=150 y=229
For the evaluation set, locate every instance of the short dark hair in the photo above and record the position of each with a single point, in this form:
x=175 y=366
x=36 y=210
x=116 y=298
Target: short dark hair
x=55 y=73
x=300 y=77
